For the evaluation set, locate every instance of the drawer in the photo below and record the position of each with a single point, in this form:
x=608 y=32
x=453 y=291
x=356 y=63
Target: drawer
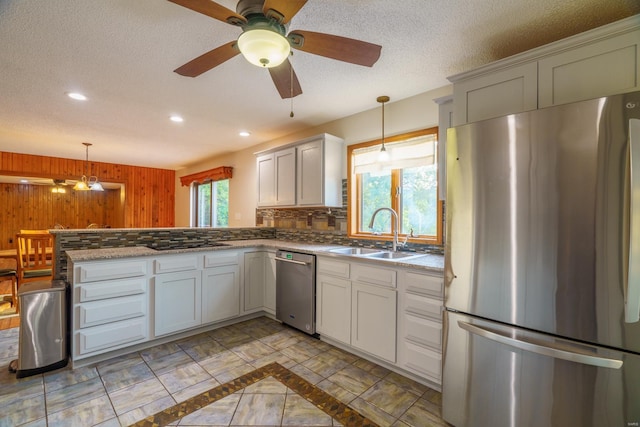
x=219 y=258
x=108 y=270
x=423 y=306
x=111 y=310
x=424 y=284
x=423 y=331
x=112 y=289
x=422 y=361
x=110 y=336
x=376 y=276
x=333 y=268
x=170 y=264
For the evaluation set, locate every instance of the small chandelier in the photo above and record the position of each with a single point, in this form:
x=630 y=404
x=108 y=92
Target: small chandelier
x=383 y=155
x=91 y=183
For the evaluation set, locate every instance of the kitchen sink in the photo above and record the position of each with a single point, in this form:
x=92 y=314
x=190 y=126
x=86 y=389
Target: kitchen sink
x=355 y=251
x=393 y=255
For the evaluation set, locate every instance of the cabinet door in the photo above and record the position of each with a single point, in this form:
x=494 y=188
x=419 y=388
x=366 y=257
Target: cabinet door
x=254 y=279
x=607 y=67
x=333 y=308
x=497 y=94
x=310 y=173
x=269 y=260
x=177 y=301
x=373 y=320
x=220 y=293
x=266 y=180
x=445 y=121
x=285 y=173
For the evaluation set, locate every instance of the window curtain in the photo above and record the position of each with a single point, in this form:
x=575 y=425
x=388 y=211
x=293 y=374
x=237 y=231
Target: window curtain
x=414 y=152
x=217 y=174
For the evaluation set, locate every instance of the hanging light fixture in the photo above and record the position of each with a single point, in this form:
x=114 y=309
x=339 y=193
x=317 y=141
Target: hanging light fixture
x=263 y=42
x=383 y=155
x=91 y=183
x=264 y=47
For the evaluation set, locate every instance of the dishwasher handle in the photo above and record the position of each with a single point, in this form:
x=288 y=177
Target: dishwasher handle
x=292 y=261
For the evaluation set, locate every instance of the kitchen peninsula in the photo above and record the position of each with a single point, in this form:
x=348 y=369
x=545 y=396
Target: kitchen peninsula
x=130 y=297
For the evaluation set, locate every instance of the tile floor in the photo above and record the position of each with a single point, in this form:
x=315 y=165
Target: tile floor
x=126 y=390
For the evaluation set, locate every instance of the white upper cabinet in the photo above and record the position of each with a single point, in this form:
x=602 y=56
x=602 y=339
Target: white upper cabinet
x=306 y=173
x=319 y=172
x=266 y=180
x=277 y=178
x=493 y=95
x=600 y=62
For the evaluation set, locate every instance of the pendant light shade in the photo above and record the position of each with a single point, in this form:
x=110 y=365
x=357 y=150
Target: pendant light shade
x=91 y=183
x=264 y=48
x=383 y=155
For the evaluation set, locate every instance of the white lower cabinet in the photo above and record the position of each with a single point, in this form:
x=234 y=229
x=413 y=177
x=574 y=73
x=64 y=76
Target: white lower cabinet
x=177 y=301
x=360 y=312
x=373 y=320
x=260 y=281
x=110 y=306
x=270 y=282
x=333 y=307
x=420 y=324
x=391 y=313
x=110 y=336
x=220 y=293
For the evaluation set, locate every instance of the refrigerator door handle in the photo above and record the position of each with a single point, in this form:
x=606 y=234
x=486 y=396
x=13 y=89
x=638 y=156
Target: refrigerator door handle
x=546 y=350
x=632 y=300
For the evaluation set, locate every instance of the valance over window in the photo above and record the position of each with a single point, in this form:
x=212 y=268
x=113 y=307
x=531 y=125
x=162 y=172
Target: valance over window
x=216 y=174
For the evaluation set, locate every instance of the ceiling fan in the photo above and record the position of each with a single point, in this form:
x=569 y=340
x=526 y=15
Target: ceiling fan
x=264 y=41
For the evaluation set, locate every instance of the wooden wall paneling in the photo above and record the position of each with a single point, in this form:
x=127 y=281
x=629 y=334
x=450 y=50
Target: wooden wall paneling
x=147 y=199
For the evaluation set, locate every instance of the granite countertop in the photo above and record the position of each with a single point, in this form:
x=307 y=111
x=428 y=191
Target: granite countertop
x=431 y=262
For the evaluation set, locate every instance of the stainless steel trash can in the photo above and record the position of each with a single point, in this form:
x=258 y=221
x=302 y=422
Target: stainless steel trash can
x=42 y=340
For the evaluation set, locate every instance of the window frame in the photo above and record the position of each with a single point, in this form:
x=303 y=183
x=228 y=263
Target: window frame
x=353 y=194
x=195 y=205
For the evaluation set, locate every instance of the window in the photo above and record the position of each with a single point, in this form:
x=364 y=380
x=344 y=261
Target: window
x=407 y=183
x=211 y=203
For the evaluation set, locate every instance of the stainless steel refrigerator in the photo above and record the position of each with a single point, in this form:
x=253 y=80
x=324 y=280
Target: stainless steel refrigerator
x=542 y=268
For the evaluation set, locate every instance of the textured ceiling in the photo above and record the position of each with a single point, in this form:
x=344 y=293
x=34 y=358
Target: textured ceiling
x=122 y=53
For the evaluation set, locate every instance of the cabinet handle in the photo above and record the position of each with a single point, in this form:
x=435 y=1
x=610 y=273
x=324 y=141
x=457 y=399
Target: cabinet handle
x=292 y=261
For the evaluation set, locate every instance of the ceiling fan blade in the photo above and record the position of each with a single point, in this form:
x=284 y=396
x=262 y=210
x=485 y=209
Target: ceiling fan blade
x=213 y=10
x=286 y=8
x=209 y=60
x=335 y=47
x=282 y=77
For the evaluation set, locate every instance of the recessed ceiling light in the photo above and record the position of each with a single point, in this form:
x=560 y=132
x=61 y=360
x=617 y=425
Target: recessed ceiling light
x=176 y=119
x=244 y=133
x=77 y=96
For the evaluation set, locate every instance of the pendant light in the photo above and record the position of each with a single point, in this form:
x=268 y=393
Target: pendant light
x=383 y=155
x=91 y=183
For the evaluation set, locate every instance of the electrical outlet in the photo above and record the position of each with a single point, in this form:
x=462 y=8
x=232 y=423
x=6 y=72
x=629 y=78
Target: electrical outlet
x=10 y=240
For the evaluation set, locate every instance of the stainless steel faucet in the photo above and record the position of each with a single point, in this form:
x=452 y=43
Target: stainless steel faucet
x=395 y=226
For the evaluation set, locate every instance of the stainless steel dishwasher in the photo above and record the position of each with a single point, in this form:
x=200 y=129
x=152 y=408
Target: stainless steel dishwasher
x=296 y=290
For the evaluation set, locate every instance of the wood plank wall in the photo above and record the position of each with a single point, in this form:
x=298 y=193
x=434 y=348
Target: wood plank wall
x=147 y=200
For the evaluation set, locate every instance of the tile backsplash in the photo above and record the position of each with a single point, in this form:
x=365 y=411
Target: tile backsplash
x=324 y=226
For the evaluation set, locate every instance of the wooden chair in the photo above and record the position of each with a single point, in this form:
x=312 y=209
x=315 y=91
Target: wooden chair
x=35 y=257
x=11 y=274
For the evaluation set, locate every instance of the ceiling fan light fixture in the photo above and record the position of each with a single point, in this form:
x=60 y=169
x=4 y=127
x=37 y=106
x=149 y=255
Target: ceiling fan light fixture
x=264 y=48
